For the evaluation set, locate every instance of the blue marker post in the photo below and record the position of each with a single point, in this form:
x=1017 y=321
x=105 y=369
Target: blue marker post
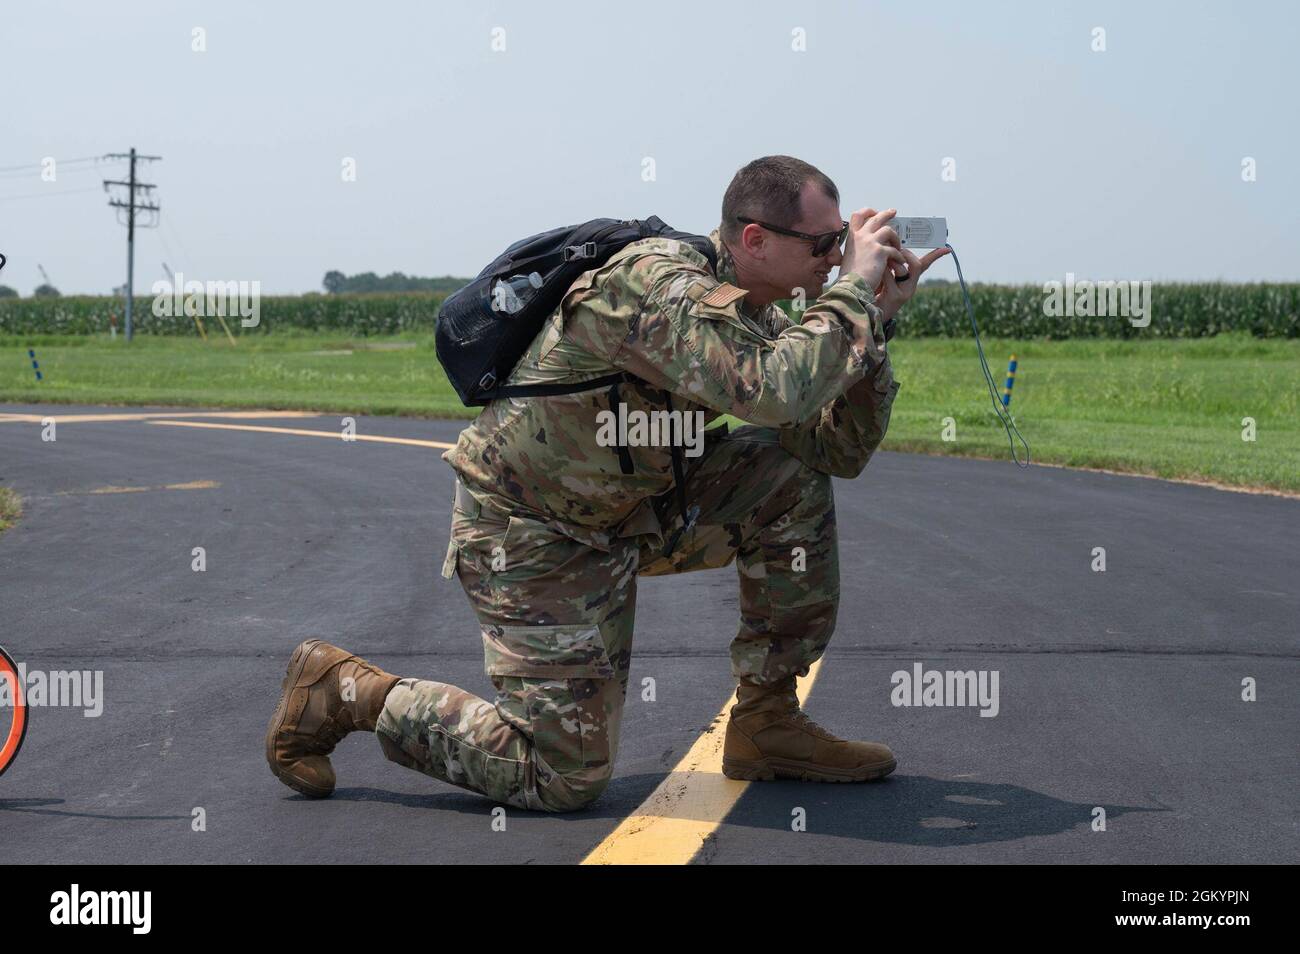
x=1011 y=379
x=35 y=367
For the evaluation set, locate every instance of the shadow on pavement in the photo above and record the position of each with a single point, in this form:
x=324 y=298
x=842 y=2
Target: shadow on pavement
x=917 y=810
x=903 y=809
x=34 y=806
x=619 y=800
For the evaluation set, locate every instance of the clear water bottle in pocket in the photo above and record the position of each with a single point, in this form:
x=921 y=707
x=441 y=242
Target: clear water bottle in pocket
x=511 y=294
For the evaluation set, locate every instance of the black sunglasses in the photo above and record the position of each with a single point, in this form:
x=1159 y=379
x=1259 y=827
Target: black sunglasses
x=822 y=244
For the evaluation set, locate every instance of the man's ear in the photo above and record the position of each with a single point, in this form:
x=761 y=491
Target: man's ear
x=753 y=240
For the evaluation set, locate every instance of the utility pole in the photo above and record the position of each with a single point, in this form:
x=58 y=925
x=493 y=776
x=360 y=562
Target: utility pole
x=132 y=206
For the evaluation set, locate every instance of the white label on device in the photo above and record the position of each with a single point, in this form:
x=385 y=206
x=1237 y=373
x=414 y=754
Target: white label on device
x=916 y=232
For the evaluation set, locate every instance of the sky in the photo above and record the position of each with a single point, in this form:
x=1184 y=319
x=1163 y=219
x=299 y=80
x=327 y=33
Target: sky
x=471 y=125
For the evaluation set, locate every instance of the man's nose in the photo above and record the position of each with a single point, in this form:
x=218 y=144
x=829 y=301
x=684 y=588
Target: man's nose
x=835 y=257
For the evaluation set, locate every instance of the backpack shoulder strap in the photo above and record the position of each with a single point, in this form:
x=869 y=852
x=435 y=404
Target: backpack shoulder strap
x=561 y=387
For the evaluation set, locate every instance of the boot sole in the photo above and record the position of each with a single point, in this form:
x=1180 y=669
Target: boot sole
x=769 y=770
x=296 y=664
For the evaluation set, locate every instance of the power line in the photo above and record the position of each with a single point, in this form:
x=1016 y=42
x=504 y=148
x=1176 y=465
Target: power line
x=175 y=234
x=58 y=162
x=33 y=173
x=171 y=257
x=46 y=194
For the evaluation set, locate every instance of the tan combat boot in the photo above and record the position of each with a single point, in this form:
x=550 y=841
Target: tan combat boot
x=313 y=715
x=770 y=737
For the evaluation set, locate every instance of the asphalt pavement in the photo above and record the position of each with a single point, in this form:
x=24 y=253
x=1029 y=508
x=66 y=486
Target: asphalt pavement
x=1120 y=692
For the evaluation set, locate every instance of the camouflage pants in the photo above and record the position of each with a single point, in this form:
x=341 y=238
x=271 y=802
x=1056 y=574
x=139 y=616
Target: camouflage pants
x=557 y=619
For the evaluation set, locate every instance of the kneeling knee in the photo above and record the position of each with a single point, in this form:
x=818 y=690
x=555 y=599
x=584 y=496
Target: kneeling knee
x=576 y=790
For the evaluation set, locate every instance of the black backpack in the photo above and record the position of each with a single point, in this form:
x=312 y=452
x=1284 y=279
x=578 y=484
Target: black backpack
x=486 y=327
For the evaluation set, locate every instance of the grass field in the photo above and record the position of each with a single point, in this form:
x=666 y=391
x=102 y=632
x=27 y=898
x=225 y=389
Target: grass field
x=1169 y=408
x=10 y=508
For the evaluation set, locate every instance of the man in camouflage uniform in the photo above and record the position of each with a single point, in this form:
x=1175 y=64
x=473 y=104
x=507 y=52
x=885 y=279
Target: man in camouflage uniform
x=551 y=529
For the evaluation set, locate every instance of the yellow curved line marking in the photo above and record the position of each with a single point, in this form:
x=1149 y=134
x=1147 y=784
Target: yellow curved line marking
x=111 y=489
x=146 y=416
x=337 y=435
x=672 y=824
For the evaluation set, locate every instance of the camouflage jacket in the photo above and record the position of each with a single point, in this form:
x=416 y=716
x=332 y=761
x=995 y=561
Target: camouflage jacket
x=657 y=311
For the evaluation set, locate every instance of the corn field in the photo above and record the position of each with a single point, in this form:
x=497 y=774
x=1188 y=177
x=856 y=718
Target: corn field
x=360 y=315
x=1176 y=311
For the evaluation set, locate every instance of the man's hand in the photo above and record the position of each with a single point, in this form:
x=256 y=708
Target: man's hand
x=891 y=294
x=871 y=245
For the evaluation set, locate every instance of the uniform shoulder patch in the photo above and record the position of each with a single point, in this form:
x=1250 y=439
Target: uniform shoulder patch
x=723 y=295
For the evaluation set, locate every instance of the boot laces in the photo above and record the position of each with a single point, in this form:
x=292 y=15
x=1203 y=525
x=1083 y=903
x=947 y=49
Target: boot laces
x=802 y=719
x=789 y=708
x=329 y=735
x=335 y=726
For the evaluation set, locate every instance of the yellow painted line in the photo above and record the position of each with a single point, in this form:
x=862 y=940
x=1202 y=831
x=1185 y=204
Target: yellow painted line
x=146 y=416
x=191 y=485
x=337 y=435
x=670 y=826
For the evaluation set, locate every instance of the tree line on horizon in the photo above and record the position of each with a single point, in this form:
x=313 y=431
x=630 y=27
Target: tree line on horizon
x=336 y=283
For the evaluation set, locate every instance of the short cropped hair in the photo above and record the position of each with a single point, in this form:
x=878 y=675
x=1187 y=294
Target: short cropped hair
x=768 y=189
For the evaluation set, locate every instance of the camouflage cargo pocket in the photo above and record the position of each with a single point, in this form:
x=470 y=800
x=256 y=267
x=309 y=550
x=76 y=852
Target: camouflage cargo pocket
x=552 y=684
x=546 y=652
x=477 y=535
x=464 y=510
